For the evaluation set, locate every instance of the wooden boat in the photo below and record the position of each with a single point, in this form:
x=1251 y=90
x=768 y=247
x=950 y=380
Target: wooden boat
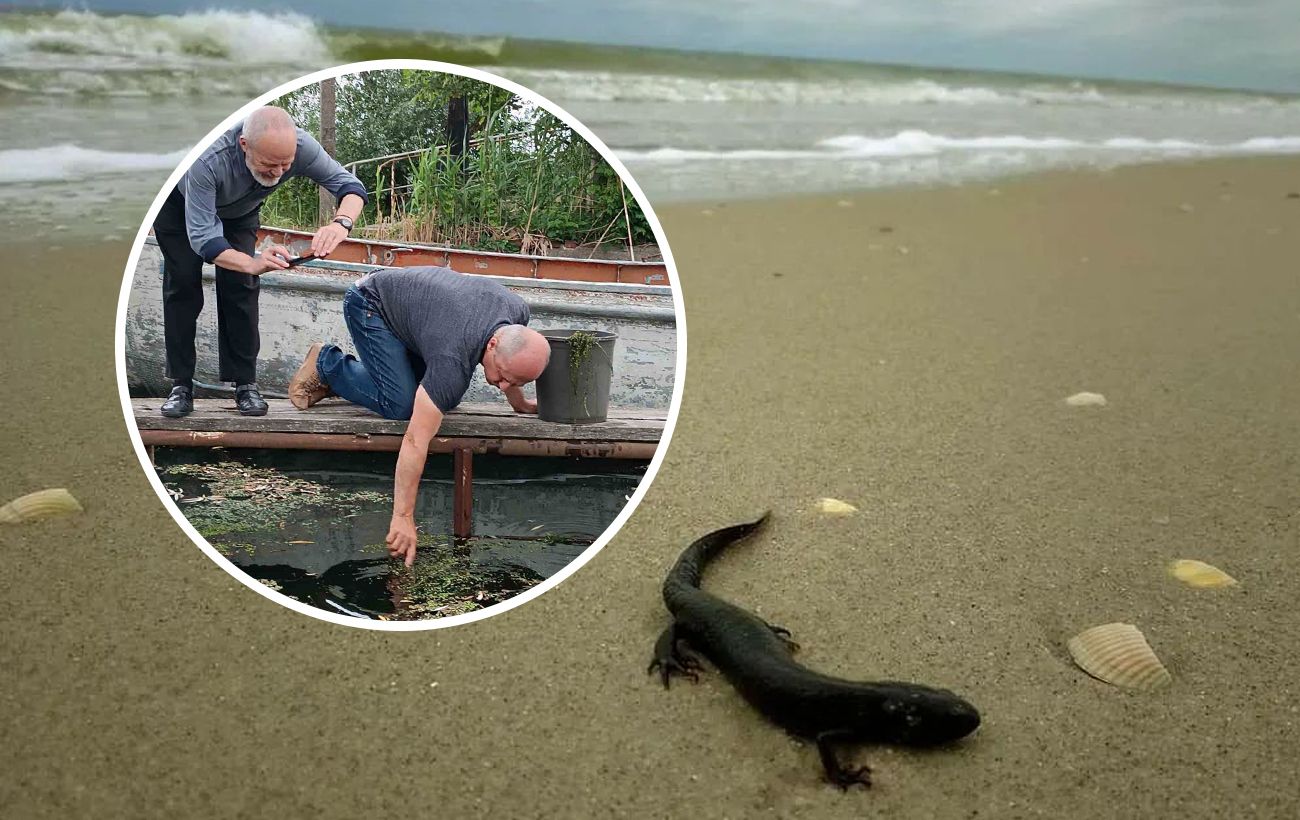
x=392 y=254
x=304 y=305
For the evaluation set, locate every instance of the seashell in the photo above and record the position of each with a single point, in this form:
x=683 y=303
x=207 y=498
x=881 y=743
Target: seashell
x=1119 y=655
x=833 y=506
x=41 y=504
x=1200 y=574
x=1086 y=400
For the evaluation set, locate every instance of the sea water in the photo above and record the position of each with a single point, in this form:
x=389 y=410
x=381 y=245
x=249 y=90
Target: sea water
x=96 y=110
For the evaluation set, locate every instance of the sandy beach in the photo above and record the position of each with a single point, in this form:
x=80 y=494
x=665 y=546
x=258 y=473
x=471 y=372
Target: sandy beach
x=907 y=351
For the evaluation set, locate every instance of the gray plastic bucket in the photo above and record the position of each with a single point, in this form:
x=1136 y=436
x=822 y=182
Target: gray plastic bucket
x=574 y=388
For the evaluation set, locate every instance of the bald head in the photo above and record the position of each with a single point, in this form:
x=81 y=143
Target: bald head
x=268 y=121
x=522 y=352
x=270 y=142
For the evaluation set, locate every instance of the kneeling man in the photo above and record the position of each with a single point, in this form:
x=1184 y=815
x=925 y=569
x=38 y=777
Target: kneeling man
x=419 y=334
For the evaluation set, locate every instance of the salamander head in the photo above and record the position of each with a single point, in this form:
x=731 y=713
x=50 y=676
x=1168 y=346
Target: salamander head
x=920 y=716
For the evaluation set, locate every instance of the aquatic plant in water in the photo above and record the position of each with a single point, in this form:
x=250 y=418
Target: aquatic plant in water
x=247 y=499
x=446 y=581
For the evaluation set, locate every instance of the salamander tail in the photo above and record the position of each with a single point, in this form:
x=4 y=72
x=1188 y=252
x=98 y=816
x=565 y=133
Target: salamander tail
x=695 y=557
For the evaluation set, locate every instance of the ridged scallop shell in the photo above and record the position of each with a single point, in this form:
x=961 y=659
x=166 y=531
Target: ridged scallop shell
x=1200 y=574
x=833 y=506
x=1086 y=400
x=1119 y=655
x=40 y=504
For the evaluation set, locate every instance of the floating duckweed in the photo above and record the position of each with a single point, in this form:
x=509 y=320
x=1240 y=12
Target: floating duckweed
x=445 y=581
x=243 y=499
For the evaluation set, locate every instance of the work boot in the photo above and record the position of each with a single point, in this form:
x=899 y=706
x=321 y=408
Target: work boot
x=249 y=401
x=307 y=387
x=179 y=403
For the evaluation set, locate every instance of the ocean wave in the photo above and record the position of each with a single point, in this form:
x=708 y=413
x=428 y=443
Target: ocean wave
x=922 y=144
x=69 y=163
x=610 y=86
x=873 y=87
x=235 y=36
x=917 y=143
x=209 y=53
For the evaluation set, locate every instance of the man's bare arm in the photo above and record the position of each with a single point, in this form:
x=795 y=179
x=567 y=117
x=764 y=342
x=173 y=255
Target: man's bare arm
x=423 y=426
x=329 y=236
x=350 y=206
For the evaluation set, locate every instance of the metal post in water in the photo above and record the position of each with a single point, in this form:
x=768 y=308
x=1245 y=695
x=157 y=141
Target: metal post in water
x=463 y=499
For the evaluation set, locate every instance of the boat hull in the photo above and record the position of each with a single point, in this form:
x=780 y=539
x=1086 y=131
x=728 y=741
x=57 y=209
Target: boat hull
x=304 y=305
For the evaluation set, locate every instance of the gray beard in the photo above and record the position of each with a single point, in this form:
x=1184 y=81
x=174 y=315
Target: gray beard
x=266 y=182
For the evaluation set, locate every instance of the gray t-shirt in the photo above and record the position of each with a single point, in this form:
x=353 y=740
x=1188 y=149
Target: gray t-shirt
x=444 y=317
x=219 y=186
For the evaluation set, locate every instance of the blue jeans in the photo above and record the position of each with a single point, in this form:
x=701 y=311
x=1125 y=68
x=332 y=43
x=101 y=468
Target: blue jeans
x=386 y=376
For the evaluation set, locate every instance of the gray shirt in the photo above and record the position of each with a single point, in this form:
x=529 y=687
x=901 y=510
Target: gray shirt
x=444 y=317
x=219 y=186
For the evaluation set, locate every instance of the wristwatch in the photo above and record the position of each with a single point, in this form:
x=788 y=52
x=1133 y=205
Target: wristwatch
x=345 y=222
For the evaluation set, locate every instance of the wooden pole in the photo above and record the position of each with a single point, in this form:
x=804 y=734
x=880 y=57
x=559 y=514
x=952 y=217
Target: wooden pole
x=328 y=135
x=457 y=125
x=631 y=249
x=463 y=500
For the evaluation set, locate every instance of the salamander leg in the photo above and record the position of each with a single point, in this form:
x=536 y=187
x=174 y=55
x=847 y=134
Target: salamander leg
x=784 y=634
x=836 y=772
x=672 y=656
x=688 y=657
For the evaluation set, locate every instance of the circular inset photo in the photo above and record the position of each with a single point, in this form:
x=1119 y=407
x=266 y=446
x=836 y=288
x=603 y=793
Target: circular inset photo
x=400 y=344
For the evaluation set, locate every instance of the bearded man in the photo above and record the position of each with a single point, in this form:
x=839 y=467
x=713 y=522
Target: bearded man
x=213 y=216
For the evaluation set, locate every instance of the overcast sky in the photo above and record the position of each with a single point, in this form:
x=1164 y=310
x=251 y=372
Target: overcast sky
x=1248 y=43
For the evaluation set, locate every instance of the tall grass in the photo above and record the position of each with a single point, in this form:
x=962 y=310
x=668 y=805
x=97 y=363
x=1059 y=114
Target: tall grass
x=515 y=189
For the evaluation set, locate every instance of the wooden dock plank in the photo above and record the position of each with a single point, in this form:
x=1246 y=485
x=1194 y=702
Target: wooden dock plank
x=334 y=416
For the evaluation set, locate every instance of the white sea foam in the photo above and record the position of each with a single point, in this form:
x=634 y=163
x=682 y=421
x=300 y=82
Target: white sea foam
x=236 y=36
x=913 y=143
x=65 y=163
x=917 y=143
x=194 y=55
x=873 y=88
x=1272 y=145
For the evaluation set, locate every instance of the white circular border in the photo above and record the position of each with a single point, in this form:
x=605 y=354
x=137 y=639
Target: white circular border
x=435 y=623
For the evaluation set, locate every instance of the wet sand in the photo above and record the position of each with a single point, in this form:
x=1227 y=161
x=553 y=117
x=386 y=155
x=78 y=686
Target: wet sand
x=923 y=385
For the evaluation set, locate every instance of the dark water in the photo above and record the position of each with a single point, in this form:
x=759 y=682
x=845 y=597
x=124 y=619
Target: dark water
x=312 y=525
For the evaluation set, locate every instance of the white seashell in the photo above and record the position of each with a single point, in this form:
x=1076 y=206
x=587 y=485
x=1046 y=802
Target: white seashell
x=41 y=504
x=1086 y=400
x=1119 y=655
x=833 y=506
x=1200 y=574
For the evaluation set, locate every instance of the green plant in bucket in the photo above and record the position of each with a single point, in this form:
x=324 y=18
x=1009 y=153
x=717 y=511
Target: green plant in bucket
x=581 y=344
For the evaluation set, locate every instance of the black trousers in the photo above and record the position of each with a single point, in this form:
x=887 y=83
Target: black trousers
x=238 y=340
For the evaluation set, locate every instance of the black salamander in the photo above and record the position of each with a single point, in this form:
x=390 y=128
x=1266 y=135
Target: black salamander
x=755 y=657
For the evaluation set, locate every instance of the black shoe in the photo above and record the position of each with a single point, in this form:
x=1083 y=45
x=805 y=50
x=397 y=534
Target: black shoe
x=179 y=403
x=249 y=401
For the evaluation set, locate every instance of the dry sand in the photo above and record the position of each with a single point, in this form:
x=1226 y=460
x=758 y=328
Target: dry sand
x=927 y=387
